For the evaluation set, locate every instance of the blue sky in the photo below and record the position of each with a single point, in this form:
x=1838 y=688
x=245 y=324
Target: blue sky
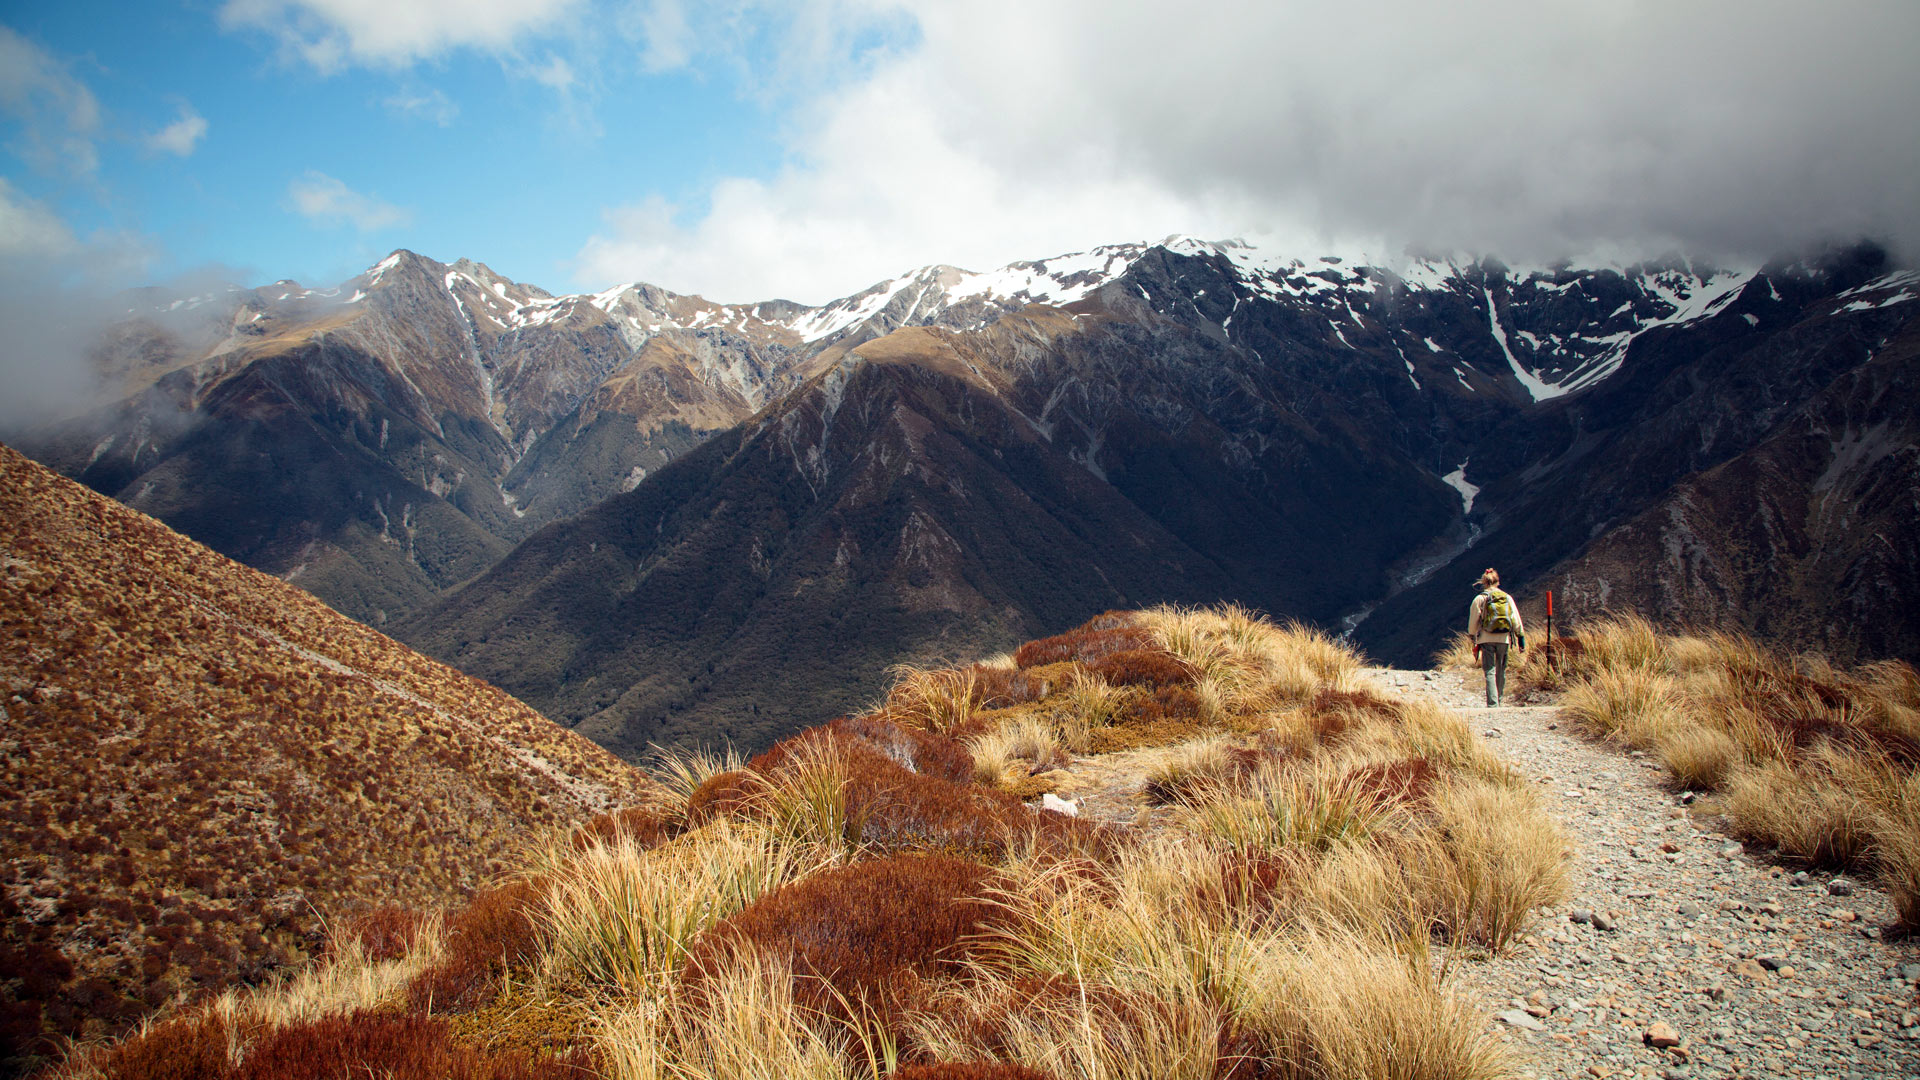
x=465 y=152
x=806 y=148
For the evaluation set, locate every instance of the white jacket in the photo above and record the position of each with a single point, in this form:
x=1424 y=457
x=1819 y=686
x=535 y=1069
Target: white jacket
x=1483 y=637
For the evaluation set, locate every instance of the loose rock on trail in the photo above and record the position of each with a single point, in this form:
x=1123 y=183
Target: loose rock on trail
x=1680 y=953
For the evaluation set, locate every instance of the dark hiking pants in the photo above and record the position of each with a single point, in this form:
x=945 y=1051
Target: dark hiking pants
x=1493 y=660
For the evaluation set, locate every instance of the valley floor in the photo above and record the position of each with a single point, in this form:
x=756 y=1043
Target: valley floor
x=1672 y=928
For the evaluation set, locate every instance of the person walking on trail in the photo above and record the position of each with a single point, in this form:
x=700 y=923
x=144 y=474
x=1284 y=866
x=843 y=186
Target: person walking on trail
x=1493 y=624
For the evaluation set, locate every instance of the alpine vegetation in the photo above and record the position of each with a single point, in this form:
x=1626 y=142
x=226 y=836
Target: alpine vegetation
x=1304 y=869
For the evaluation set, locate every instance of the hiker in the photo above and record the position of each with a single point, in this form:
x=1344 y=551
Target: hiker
x=1493 y=622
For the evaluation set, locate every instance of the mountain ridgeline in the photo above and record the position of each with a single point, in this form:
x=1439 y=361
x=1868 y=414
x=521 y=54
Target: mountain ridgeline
x=660 y=519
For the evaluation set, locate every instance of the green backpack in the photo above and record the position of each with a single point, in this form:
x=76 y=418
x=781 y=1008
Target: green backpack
x=1497 y=618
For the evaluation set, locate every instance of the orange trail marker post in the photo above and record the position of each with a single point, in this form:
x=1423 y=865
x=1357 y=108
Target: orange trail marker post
x=1550 y=660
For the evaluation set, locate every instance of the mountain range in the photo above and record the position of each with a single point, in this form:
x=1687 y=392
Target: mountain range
x=661 y=519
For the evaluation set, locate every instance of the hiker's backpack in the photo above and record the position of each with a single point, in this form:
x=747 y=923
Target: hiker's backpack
x=1497 y=618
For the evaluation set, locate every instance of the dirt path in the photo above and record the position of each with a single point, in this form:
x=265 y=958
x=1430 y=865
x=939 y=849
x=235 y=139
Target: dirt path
x=1757 y=970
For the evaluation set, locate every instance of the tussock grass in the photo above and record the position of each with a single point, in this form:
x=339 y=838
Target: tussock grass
x=683 y=771
x=624 y=917
x=937 y=700
x=1315 y=809
x=1007 y=755
x=1818 y=763
x=748 y=1026
x=1504 y=856
x=1635 y=705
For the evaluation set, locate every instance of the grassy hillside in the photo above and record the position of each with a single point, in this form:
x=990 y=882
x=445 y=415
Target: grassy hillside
x=202 y=764
x=872 y=897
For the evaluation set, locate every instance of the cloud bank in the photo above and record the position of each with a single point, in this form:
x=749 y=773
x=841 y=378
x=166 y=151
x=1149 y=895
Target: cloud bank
x=1008 y=130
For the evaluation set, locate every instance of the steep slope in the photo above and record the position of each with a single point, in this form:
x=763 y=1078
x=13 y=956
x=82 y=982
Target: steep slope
x=889 y=512
x=202 y=762
x=1691 y=399
x=1812 y=538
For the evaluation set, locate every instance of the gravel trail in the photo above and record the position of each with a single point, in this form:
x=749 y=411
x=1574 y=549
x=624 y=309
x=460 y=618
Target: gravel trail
x=1675 y=933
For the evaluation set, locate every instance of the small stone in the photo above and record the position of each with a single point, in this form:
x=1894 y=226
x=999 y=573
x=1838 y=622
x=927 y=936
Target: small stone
x=1787 y=971
x=1521 y=1020
x=1840 y=886
x=1749 y=969
x=1661 y=1035
x=1602 y=922
x=1669 y=847
x=1802 y=878
x=1602 y=1071
x=1580 y=915
x=1772 y=963
x=1687 y=797
x=1843 y=915
x=1690 y=909
x=1730 y=850
x=1868 y=1039
x=1910 y=972
x=1716 y=992
x=1770 y=907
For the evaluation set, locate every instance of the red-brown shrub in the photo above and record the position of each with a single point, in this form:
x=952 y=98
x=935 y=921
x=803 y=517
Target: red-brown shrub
x=642 y=825
x=922 y=751
x=190 y=1047
x=392 y=1047
x=1099 y=637
x=970 y=1070
x=722 y=795
x=1154 y=667
x=1000 y=688
x=498 y=930
x=864 y=933
x=385 y=933
x=1335 y=712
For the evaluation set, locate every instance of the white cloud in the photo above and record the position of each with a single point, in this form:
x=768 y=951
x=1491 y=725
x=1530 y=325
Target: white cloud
x=1010 y=129
x=431 y=105
x=556 y=74
x=58 y=115
x=28 y=229
x=667 y=36
x=324 y=200
x=182 y=136
x=332 y=33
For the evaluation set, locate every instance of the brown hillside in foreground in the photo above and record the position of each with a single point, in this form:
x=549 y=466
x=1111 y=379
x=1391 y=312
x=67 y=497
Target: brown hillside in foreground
x=201 y=763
